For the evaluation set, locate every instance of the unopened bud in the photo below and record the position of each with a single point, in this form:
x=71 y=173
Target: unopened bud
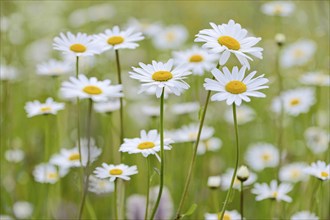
x=214 y=182
x=243 y=173
x=280 y=39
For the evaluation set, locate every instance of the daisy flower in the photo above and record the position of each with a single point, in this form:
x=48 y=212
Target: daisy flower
x=14 y=155
x=150 y=110
x=100 y=186
x=8 y=73
x=319 y=169
x=115 y=171
x=148 y=28
x=293 y=173
x=188 y=133
x=229 y=215
x=77 y=45
x=48 y=173
x=262 y=155
x=304 y=215
x=315 y=79
x=197 y=59
x=54 y=68
x=71 y=157
x=278 y=8
x=274 y=191
x=108 y=106
x=211 y=144
x=295 y=101
x=160 y=75
x=227 y=176
x=49 y=107
x=214 y=182
x=298 y=53
x=317 y=139
x=244 y=114
x=116 y=39
x=22 y=209
x=85 y=88
x=230 y=38
x=170 y=37
x=233 y=86
x=146 y=144
x=185 y=108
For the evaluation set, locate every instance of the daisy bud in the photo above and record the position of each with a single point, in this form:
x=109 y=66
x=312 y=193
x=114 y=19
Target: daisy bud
x=280 y=39
x=243 y=173
x=213 y=182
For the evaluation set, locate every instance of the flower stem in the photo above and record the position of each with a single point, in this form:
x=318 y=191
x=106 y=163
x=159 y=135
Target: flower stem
x=121 y=115
x=236 y=165
x=115 y=198
x=86 y=170
x=242 y=201
x=148 y=188
x=161 y=130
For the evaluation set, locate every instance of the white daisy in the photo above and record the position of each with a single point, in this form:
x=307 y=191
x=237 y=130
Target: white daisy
x=298 y=53
x=244 y=114
x=150 y=110
x=317 y=139
x=116 y=39
x=146 y=144
x=229 y=215
x=188 y=133
x=185 y=107
x=71 y=157
x=319 y=169
x=233 y=87
x=293 y=173
x=304 y=215
x=211 y=144
x=54 y=68
x=197 y=59
x=108 y=106
x=160 y=75
x=262 y=155
x=278 y=8
x=14 y=155
x=295 y=101
x=48 y=173
x=115 y=171
x=274 y=191
x=100 y=186
x=49 y=107
x=170 y=37
x=315 y=79
x=22 y=209
x=213 y=182
x=227 y=176
x=77 y=45
x=146 y=27
x=85 y=88
x=8 y=73
x=230 y=38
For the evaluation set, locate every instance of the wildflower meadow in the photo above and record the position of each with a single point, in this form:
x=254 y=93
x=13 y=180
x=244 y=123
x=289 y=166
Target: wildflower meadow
x=215 y=110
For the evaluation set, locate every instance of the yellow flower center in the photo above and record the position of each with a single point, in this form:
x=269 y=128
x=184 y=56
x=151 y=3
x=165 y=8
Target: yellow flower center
x=115 y=40
x=78 y=48
x=162 y=76
x=295 y=173
x=170 y=36
x=225 y=216
x=52 y=175
x=45 y=109
x=324 y=174
x=192 y=135
x=274 y=195
x=146 y=145
x=235 y=87
x=294 y=102
x=74 y=156
x=196 y=58
x=92 y=90
x=278 y=9
x=115 y=171
x=229 y=42
x=298 y=53
x=265 y=157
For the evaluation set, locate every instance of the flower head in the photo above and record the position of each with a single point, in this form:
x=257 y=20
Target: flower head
x=227 y=176
x=315 y=79
x=317 y=139
x=54 y=68
x=48 y=173
x=8 y=73
x=278 y=8
x=229 y=215
x=115 y=171
x=85 y=88
x=293 y=173
x=244 y=114
x=213 y=182
x=262 y=155
x=274 y=191
x=319 y=169
x=160 y=75
x=171 y=37
x=229 y=39
x=22 y=209
x=100 y=186
x=49 y=107
x=304 y=215
x=233 y=87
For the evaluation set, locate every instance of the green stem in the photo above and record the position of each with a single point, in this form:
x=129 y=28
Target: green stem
x=148 y=188
x=78 y=113
x=115 y=198
x=236 y=165
x=242 y=200
x=161 y=155
x=121 y=115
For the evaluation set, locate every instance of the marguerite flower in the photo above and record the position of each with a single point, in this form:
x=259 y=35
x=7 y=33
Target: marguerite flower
x=146 y=144
x=188 y=133
x=244 y=114
x=319 y=169
x=22 y=209
x=197 y=59
x=108 y=106
x=293 y=172
x=8 y=73
x=227 y=176
x=229 y=215
x=100 y=186
x=278 y=8
x=315 y=79
x=116 y=39
x=160 y=75
x=148 y=28
x=49 y=107
x=213 y=182
x=115 y=171
x=185 y=108
x=233 y=87
x=274 y=191
x=317 y=139
x=304 y=215
x=211 y=144
x=14 y=155
x=85 y=88
x=71 y=157
x=262 y=155
x=77 y=45
x=230 y=38
x=54 y=68
x=170 y=37
x=48 y=173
